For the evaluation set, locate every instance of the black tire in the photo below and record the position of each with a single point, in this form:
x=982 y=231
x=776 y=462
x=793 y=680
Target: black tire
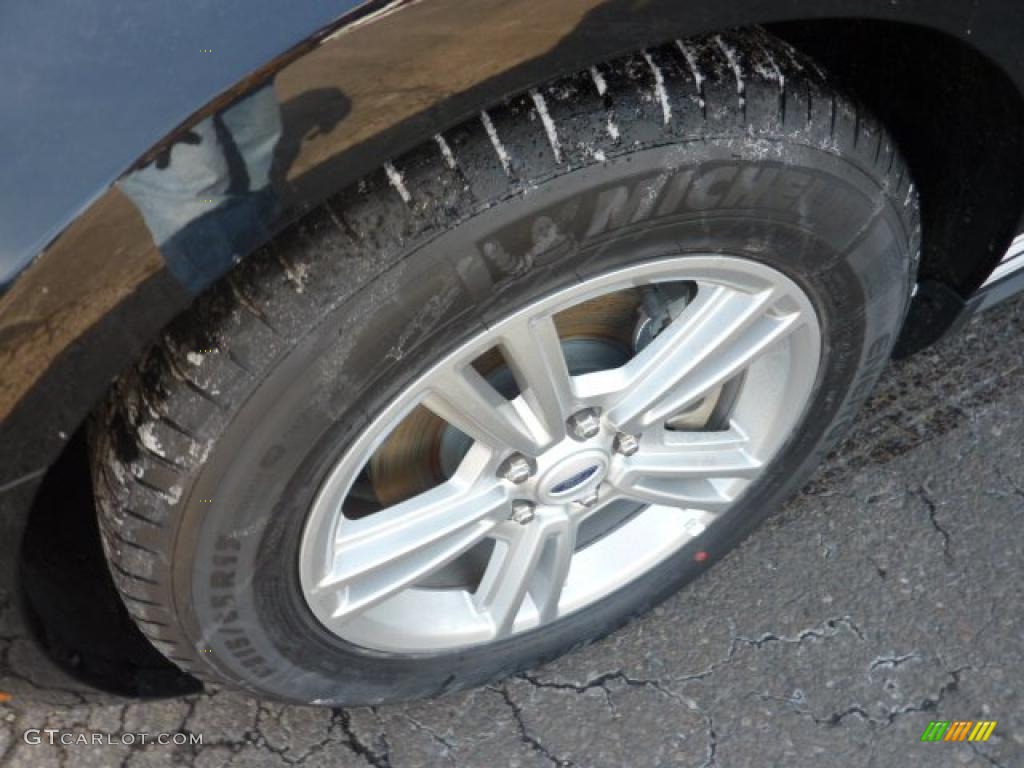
x=760 y=158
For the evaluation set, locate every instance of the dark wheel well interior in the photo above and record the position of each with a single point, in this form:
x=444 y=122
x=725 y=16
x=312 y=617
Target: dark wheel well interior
x=69 y=598
x=959 y=121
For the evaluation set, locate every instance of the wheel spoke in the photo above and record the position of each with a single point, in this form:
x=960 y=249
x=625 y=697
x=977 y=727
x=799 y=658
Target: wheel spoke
x=533 y=351
x=607 y=496
x=469 y=403
x=535 y=561
x=679 y=473
x=675 y=492
x=376 y=556
x=718 y=335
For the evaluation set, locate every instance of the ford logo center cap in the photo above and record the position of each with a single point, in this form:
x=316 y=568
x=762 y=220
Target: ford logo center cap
x=578 y=479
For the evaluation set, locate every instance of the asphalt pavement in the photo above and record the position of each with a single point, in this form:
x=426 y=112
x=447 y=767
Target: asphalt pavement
x=887 y=595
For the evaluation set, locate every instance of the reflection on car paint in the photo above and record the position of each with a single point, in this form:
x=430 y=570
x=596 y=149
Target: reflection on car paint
x=206 y=198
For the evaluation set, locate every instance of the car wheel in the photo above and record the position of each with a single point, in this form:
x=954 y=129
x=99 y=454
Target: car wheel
x=516 y=387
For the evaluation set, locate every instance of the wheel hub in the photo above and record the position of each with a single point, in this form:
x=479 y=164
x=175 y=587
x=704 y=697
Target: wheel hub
x=579 y=480
x=569 y=474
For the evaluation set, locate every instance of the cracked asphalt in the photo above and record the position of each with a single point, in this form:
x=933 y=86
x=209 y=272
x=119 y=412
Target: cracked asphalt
x=888 y=594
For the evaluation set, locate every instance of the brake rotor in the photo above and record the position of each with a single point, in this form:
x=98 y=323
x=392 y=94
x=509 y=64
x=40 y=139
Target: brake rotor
x=423 y=450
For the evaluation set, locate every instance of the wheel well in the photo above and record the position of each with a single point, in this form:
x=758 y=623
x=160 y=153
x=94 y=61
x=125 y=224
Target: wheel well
x=959 y=122
x=69 y=600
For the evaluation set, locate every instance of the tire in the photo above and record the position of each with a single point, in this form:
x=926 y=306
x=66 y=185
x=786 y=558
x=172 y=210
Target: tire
x=208 y=456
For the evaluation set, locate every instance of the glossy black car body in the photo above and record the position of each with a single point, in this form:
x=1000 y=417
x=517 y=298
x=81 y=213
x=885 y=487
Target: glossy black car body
x=97 y=92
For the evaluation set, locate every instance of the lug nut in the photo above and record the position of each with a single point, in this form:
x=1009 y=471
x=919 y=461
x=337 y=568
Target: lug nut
x=516 y=469
x=584 y=424
x=522 y=512
x=589 y=500
x=626 y=444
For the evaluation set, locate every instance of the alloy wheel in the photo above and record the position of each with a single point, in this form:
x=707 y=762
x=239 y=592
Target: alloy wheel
x=560 y=454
